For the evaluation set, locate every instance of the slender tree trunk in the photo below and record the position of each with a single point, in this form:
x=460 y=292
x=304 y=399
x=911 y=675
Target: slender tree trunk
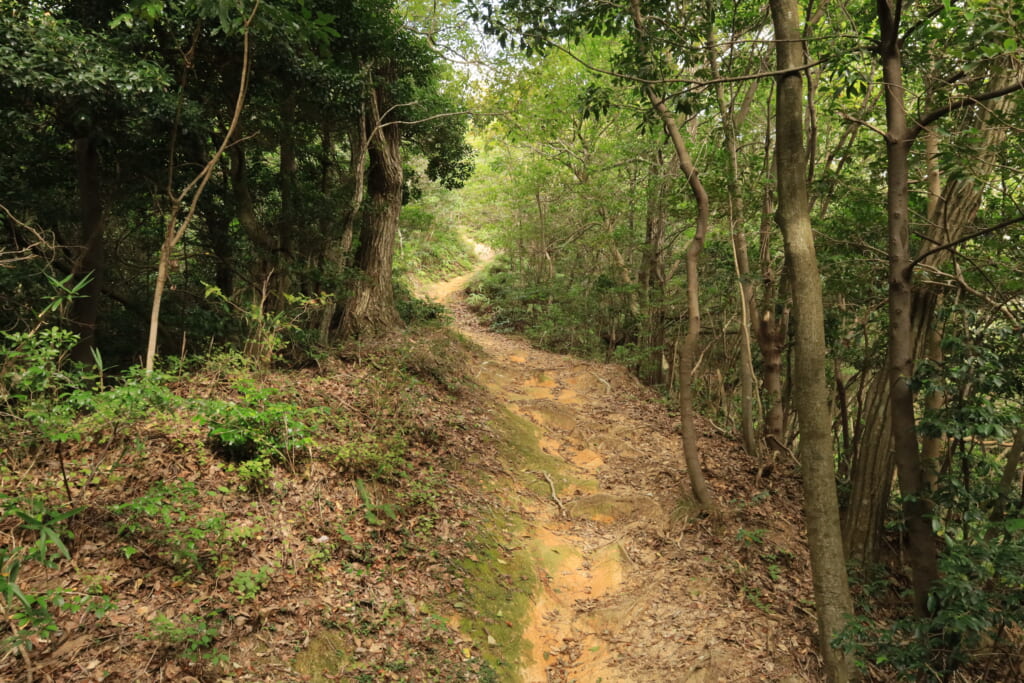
x=828 y=566
x=950 y=214
x=1007 y=481
x=174 y=230
x=688 y=349
x=287 y=223
x=370 y=308
x=91 y=256
x=652 y=275
x=913 y=486
x=770 y=328
x=218 y=229
x=741 y=260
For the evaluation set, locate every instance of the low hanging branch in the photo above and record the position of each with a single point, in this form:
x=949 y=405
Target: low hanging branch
x=175 y=229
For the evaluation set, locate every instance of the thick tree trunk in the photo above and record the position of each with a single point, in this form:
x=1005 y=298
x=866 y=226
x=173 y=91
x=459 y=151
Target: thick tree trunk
x=245 y=210
x=370 y=308
x=89 y=262
x=339 y=252
x=828 y=566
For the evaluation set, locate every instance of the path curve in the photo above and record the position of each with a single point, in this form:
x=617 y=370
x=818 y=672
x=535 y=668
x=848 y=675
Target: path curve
x=623 y=595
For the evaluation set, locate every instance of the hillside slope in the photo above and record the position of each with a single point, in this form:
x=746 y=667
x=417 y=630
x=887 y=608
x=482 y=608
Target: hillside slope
x=423 y=509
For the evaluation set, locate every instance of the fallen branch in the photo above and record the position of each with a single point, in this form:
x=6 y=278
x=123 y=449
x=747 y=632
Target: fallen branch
x=554 y=494
x=607 y=384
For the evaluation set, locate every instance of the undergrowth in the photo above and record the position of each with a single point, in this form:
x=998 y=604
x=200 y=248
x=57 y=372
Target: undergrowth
x=199 y=515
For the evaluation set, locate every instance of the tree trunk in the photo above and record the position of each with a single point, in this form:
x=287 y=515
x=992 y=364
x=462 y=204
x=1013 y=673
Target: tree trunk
x=90 y=259
x=218 y=231
x=339 y=251
x=246 y=213
x=913 y=486
x=370 y=308
x=288 y=220
x=741 y=260
x=828 y=567
x=652 y=275
x=950 y=216
x=771 y=327
x=175 y=231
x=688 y=349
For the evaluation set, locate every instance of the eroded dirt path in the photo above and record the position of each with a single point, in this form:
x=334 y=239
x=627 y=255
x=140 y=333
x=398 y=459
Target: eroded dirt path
x=635 y=585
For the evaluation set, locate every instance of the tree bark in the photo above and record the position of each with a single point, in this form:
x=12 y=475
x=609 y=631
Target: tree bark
x=913 y=486
x=287 y=223
x=652 y=275
x=831 y=588
x=370 y=309
x=771 y=327
x=174 y=230
x=688 y=349
x=950 y=216
x=90 y=259
x=338 y=254
x=741 y=260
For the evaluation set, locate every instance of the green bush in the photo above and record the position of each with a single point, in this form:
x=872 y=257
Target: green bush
x=256 y=433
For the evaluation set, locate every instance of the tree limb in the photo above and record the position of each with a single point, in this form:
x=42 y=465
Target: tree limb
x=966 y=101
x=967 y=238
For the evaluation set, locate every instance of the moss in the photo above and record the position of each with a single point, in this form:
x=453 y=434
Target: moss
x=523 y=451
x=501 y=580
x=498 y=590
x=326 y=656
x=500 y=574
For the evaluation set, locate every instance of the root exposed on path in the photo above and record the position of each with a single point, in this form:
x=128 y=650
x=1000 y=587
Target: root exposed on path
x=635 y=583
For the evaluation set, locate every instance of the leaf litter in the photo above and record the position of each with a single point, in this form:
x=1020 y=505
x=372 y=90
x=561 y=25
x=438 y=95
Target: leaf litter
x=407 y=544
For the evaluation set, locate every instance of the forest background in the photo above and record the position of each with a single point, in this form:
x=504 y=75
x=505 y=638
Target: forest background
x=814 y=241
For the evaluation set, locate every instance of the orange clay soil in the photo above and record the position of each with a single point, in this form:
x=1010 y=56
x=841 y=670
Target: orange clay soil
x=635 y=583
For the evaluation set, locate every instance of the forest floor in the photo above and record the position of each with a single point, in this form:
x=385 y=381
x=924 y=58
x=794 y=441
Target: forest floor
x=637 y=583
x=443 y=506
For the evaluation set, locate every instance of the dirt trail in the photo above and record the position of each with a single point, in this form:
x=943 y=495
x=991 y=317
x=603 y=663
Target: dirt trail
x=632 y=582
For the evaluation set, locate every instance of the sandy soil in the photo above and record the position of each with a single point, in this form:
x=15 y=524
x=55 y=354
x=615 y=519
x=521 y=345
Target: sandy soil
x=637 y=584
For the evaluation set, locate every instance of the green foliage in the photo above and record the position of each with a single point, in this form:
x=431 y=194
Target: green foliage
x=412 y=309
x=372 y=457
x=982 y=373
x=257 y=432
x=165 y=523
x=33 y=364
x=978 y=600
x=428 y=250
x=246 y=585
x=554 y=314
x=377 y=514
x=750 y=538
x=271 y=332
x=33 y=614
x=193 y=636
